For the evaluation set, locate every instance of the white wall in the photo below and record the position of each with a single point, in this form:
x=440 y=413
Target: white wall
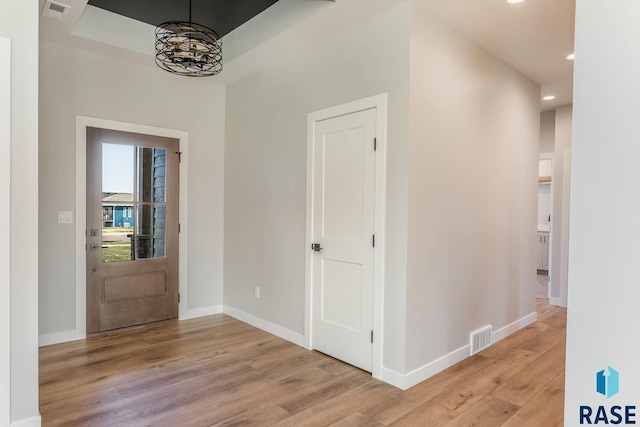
x=545 y=167
x=265 y=176
x=75 y=82
x=603 y=315
x=547 y=131
x=558 y=273
x=5 y=238
x=19 y=22
x=473 y=167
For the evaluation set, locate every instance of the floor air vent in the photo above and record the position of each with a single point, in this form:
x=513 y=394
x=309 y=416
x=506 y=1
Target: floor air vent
x=480 y=339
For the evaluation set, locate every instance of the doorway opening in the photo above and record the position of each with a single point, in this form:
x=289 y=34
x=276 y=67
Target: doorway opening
x=545 y=208
x=83 y=231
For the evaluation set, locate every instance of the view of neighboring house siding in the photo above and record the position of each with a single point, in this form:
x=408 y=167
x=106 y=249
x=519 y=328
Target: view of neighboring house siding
x=117 y=210
x=159 y=213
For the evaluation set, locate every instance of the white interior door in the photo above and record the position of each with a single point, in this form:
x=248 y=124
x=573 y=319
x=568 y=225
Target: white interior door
x=343 y=227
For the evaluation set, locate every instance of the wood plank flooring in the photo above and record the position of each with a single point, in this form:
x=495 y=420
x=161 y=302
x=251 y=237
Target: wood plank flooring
x=218 y=371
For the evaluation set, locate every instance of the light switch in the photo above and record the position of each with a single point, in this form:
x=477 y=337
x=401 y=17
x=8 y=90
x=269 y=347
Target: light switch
x=65 y=217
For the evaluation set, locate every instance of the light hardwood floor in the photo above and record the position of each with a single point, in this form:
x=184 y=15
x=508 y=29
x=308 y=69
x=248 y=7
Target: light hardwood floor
x=219 y=371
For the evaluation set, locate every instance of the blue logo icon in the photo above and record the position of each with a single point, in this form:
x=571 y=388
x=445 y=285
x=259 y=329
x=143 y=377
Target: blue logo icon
x=608 y=382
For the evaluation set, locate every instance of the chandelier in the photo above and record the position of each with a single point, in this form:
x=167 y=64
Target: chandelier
x=188 y=49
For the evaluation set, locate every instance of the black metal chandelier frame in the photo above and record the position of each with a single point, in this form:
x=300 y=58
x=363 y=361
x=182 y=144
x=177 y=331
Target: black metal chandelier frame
x=188 y=49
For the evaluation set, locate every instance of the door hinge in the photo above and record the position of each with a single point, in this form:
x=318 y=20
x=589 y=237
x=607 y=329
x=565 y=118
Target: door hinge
x=375 y=144
x=372 y=337
x=179 y=226
x=178 y=297
x=373 y=240
x=179 y=153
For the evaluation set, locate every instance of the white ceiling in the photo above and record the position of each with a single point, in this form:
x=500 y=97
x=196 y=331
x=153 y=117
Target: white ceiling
x=534 y=37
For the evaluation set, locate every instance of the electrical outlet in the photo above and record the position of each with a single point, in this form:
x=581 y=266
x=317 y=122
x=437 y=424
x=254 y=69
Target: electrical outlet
x=257 y=292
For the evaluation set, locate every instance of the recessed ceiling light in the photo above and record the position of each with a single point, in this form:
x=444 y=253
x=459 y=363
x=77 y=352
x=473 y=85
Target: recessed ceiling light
x=571 y=57
x=514 y=1
x=548 y=98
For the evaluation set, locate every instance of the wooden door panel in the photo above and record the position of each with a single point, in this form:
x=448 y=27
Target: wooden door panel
x=132 y=312
x=132 y=286
x=143 y=287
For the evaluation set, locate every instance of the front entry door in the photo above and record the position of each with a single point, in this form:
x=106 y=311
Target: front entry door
x=343 y=228
x=132 y=229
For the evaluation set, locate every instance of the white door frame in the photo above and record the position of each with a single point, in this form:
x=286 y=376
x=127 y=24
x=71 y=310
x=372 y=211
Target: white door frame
x=564 y=239
x=82 y=123
x=379 y=102
x=550 y=156
x=5 y=242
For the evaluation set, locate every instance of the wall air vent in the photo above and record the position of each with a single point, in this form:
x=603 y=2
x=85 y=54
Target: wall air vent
x=480 y=339
x=55 y=10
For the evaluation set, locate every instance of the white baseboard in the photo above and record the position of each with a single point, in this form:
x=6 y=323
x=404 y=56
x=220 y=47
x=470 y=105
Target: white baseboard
x=56 y=338
x=556 y=301
x=28 y=422
x=405 y=381
x=272 y=328
x=430 y=369
x=514 y=327
x=392 y=377
x=192 y=313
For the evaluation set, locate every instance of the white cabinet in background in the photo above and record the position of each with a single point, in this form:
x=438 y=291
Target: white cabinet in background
x=543 y=250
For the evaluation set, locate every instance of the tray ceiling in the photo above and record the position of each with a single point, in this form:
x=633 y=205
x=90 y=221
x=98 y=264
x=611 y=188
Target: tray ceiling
x=222 y=16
